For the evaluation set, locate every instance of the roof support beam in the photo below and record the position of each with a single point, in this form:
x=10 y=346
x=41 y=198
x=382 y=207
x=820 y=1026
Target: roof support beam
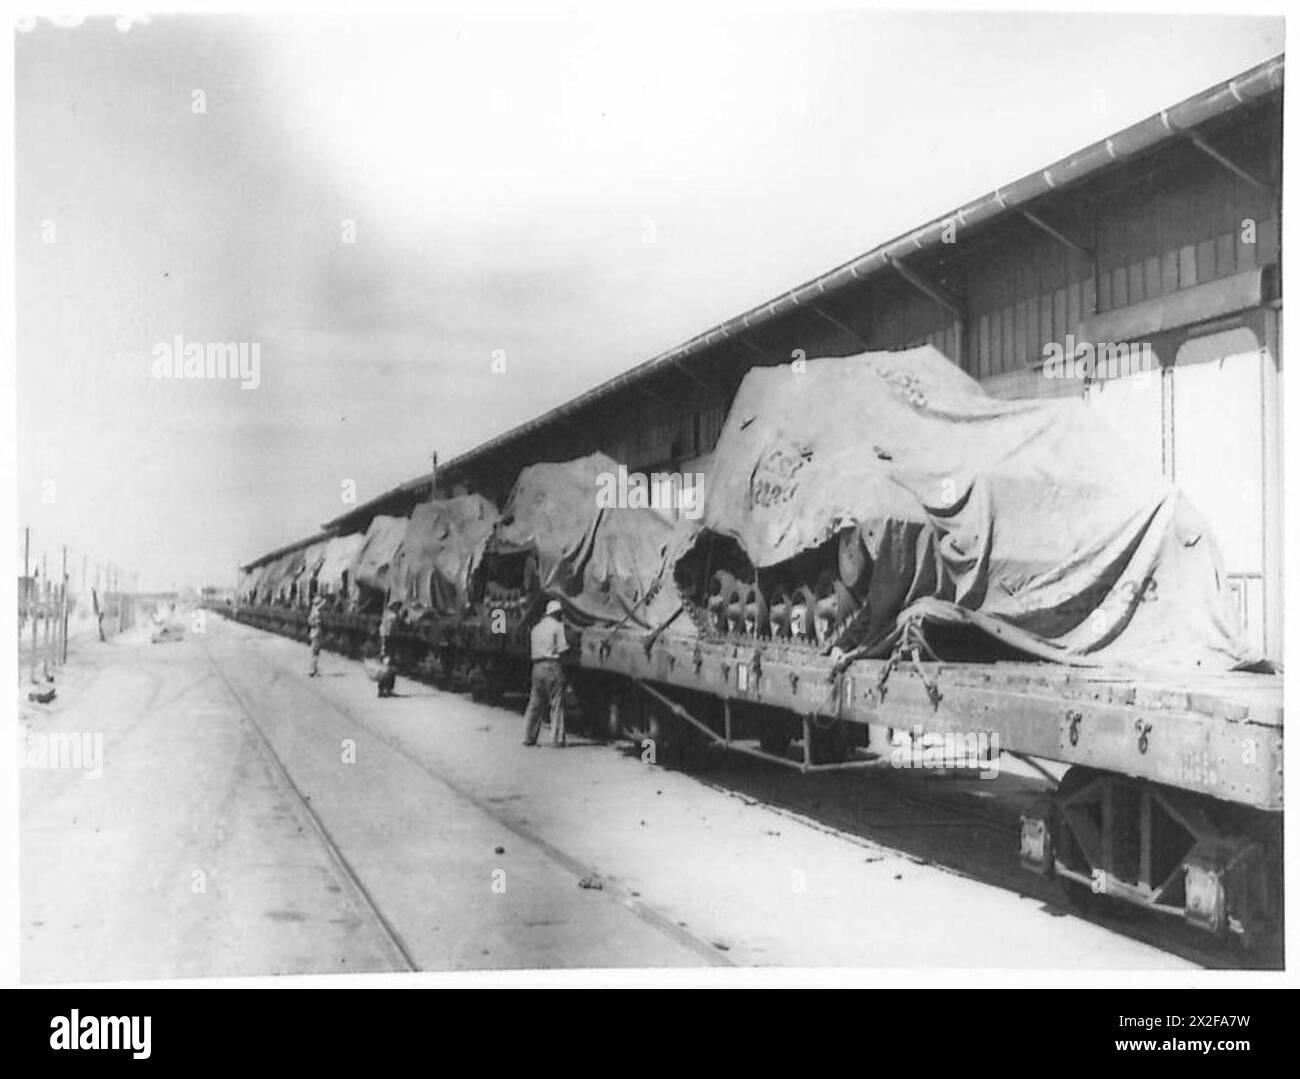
x=702 y=383
x=1056 y=234
x=767 y=356
x=826 y=316
x=938 y=294
x=1214 y=155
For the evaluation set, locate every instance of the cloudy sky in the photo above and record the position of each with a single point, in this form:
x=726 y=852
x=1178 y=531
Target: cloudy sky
x=579 y=194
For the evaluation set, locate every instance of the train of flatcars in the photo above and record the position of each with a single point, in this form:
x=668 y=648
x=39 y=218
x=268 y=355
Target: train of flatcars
x=1173 y=795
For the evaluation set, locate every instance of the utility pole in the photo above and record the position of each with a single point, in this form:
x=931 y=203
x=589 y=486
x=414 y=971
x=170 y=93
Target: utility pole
x=31 y=614
x=25 y=601
x=63 y=615
x=45 y=617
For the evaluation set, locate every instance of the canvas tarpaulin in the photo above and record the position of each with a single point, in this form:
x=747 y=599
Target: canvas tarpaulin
x=312 y=557
x=293 y=567
x=604 y=563
x=269 y=583
x=431 y=570
x=383 y=540
x=1025 y=519
x=341 y=554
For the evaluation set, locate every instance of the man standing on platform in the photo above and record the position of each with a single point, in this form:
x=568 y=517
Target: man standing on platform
x=547 y=645
x=315 y=632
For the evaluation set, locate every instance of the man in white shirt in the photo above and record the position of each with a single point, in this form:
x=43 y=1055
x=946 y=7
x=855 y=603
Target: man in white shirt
x=547 y=644
x=315 y=633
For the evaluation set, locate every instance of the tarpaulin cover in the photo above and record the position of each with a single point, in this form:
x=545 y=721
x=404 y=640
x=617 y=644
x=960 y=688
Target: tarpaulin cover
x=269 y=582
x=312 y=557
x=383 y=540
x=1025 y=519
x=604 y=563
x=432 y=568
x=341 y=554
x=296 y=561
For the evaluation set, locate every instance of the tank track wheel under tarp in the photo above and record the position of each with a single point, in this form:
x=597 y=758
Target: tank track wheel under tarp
x=1107 y=837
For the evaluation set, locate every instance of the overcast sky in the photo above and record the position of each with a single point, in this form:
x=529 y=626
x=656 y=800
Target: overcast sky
x=578 y=194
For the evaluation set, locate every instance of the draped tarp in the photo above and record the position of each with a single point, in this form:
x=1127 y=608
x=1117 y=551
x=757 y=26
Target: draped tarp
x=605 y=563
x=383 y=540
x=340 y=559
x=247 y=583
x=431 y=570
x=269 y=582
x=312 y=556
x=1025 y=519
x=297 y=560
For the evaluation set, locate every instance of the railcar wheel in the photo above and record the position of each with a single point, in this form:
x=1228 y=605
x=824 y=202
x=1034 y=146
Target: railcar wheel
x=1164 y=849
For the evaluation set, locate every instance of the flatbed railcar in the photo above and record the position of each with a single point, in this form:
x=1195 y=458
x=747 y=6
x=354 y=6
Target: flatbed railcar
x=1173 y=798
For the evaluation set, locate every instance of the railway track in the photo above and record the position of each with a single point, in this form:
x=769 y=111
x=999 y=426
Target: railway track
x=346 y=871
x=707 y=952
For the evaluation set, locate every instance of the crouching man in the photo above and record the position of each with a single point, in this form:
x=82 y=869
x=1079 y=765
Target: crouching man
x=547 y=645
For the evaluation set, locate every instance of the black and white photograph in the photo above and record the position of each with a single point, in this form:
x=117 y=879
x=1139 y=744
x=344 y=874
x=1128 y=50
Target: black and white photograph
x=647 y=496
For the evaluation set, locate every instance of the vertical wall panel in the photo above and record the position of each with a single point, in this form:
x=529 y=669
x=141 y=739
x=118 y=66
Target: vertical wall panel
x=1225 y=255
x=1152 y=267
x=1169 y=272
x=1136 y=283
x=1205 y=261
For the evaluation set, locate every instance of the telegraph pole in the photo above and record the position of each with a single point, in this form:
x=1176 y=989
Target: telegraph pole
x=63 y=615
x=25 y=602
